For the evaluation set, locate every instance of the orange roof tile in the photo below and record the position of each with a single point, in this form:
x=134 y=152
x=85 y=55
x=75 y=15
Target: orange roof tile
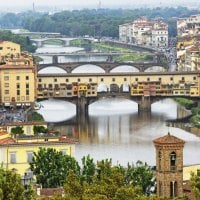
x=168 y=139
x=7 y=140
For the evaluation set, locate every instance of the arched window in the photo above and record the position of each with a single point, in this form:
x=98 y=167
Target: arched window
x=159 y=160
x=173 y=160
x=173 y=189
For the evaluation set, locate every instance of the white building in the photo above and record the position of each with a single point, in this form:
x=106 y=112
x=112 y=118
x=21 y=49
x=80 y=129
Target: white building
x=145 y=33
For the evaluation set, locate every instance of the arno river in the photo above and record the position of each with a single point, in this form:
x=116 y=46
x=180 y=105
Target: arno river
x=115 y=129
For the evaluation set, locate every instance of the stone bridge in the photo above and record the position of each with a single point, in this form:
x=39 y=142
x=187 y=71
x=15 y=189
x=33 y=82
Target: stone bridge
x=106 y=66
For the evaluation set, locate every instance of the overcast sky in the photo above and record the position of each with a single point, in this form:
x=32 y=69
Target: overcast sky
x=72 y=4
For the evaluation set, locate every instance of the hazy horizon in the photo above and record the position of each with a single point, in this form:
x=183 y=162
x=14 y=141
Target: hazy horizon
x=39 y=5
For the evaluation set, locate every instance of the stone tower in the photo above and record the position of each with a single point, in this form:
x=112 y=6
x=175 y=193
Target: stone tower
x=169 y=166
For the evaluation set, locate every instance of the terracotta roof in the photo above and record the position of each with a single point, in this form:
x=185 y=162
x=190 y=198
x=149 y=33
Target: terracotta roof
x=168 y=139
x=187 y=190
x=16 y=66
x=25 y=123
x=7 y=140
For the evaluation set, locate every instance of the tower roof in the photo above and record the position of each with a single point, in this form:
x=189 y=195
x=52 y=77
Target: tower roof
x=168 y=139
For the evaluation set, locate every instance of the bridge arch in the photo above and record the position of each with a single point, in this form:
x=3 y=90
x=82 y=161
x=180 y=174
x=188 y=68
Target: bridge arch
x=124 y=68
x=119 y=67
x=102 y=87
x=155 y=69
x=87 y=68
x=52 y=69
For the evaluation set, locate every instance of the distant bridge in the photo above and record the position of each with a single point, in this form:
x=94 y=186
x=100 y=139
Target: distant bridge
x=106 y=66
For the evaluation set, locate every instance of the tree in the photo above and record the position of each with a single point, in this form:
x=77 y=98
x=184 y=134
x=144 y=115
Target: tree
x=10 y=186
x=52 y=167
x=140 y=175
x=195 y=183
x=39 y=129
x=18 y=130
x=88 y=169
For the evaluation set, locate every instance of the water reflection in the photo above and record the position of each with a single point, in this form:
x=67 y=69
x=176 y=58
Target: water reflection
x=116 y=130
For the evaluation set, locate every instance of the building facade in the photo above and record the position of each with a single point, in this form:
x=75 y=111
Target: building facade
x=18 y=76
x=16 y=154
x=188 y=44
x=145 y=33
x=169 y=166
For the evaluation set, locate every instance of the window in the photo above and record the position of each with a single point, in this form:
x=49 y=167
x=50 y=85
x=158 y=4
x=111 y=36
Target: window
x=160 y=79
x=113 y=79
x=79 y=80
x=55 y=79
x=6 y=91
x=18 y=92
x=6 y=78
x=17 y=78
x=148 y=79
x=160 y=188
x=67 y=80
x=102 y=80
x=13 y=157
x=159 y=160
x=173 y=189
x=18 y=86
x=27 y=92
x=63 y=151
x=90 y=80
x=39 y=80
x=29 y=156
x=171 y=79
x=173 y=161
x=125 y=79
x=136 y=79
x=194 y=78
x=27 y=85
x=6 y=84
x=27 y=77
x=183 y=78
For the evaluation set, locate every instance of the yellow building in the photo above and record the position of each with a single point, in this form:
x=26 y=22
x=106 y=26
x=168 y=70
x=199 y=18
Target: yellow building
x=8 y=48
x=18 y=76
x=17 y=85
x=17 y=154
x=26 y=126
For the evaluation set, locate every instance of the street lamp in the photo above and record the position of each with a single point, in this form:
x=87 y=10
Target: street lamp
x=26 y=180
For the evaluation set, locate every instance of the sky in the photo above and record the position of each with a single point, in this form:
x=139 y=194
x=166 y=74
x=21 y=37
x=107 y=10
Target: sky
x=7 y=5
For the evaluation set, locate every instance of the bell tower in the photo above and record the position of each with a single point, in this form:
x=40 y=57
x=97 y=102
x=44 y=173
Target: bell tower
x=169 y=166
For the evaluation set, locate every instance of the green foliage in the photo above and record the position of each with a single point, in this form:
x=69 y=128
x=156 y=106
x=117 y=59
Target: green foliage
x=99 y=22
x=134 y=57
x=140 y=175
x=34 y=116
x=52 y=167
x=187 y=103
x=10 y=186
x=105 y=47
x=39 y=129
x=88 y=169
x=25 y=43
x=195 y=183
x=18 y=130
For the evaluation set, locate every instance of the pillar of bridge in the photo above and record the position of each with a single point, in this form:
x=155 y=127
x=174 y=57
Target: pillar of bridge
x=144 y=104
x=82 y=107
x=55 y=59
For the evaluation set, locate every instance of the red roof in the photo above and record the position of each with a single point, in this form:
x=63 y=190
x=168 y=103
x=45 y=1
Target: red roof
x=7 y=140
x=168 y=139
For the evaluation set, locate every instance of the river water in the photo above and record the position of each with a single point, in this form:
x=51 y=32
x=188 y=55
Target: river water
x=115 y=129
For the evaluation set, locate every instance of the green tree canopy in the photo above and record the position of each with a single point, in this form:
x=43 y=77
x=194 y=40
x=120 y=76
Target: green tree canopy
x=10 y=186
x=18 y=130
x=195 y=183
x=51 y=167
